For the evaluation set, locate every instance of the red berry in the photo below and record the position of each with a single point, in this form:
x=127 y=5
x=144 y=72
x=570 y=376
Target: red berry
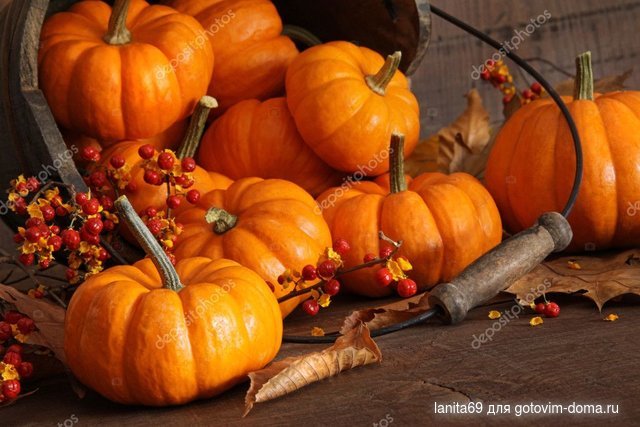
x=26 y=325
x=407 y=288
x=384 y=277
x=5 y=331
x=106 y=202
x=193 y=196
x=94 y=226
x=33 y=184
x=12 y=317
x=15 y=348
x=44 y=263
x=311 y=307
x=71 y=239
x=146 y=151
x=536 y=88
x=12 y=358
x=108 y=225
x=552 y=310
x=490 y=63
x=88 y=237
x=18 y=238
x=152 y=177
x=485 y=74
x=166 y=160
x=332 y=287
x=103 y=255
x=184 y=181
x=48 y=212
x=55 y=242
x=33 y=234
x=91 y=207
x=151 y=212
x=188 y=164
x=155 y=226
x=27 y=259
x=11 y=389
x=90 y=154
x=507 y=99
x=341 y=246
x=70 y=274
x=527 y=94
x=25 y=369
x=131 y=187
x=309 y=272
x=98 y=179
x=281 y=279
x=369 y=257
x=173 y=202
x=38 y=294
x=386 y=251
x=21 y=206
x=500 y=78
x=54 y=229
x=327 y=269
x=81 y=198
x=117 y=161
x=539 y=308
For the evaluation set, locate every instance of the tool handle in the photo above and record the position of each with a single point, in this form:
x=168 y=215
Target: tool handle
x=499 y=268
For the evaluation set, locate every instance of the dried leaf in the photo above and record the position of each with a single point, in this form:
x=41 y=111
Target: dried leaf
x=535 y=321
x=599 y=278
x=49 y=319
x=356 y=348
x=602 y=85
x=611 y=317
x=317 y=332
x=376 y=318
x=463 y=146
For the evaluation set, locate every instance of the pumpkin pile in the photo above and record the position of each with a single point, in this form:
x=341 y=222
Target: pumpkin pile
x=229 y=218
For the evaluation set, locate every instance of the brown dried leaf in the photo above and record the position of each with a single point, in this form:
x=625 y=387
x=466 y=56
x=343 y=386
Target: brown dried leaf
x=49 y=319
x=355 y=348
x=605 y=84
x=600 y=278
x=376 y=318
x=463 y=146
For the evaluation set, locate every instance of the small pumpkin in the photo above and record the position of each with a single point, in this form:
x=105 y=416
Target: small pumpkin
x=153 y=335
x=266 y=225
x=532 y=164
x=256 y=138
x=251 y=53
x=347 y=101
x=106 y=73
x=444 y=221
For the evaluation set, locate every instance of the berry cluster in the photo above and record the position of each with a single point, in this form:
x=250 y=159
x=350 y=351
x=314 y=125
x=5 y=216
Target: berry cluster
x=549 y=309
x=165 y=229
x=14 y=327
x=497 y=73
x=115 y=177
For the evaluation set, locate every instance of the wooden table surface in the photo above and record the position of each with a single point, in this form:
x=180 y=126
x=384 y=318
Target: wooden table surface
x=577 y=357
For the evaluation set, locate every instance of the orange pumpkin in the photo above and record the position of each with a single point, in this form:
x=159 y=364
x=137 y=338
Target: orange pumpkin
x=256 y=138
x=347 y=101
x=153 y=335
x=251 y=53
x=100 y=83
x=532 y=165
x=266 y=225
x=444 y=221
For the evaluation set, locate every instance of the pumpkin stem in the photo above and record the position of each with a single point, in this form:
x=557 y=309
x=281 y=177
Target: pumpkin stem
x=379 y=81
x=117 y=32
x=301 y=35
x=583 y=87
x=222 y=220
x=170 y=278
x=197 y=123
x=396 y=164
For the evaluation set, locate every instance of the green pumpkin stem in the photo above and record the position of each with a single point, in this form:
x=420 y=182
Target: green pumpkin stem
x=222 y=220
x=379 y=81
x=301 y=35
x=583 y=87
x=192 y=138
x=170 y=278
x=117 y=32
x=396 y=164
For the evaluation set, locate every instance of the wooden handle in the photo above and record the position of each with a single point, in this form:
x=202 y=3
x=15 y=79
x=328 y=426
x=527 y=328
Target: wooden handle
x=499 y=268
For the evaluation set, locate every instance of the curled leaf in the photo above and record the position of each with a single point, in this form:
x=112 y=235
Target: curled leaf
x=396 y=270
x=535 y=321
x=356 y=348
x=494 y=314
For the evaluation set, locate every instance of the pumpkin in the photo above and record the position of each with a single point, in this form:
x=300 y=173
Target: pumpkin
x=251 y=53
x=532 y=165
x=106 y=73
x=347 y=101
x=266 y=225
x=256 y=138
x=153 y=335
x=444 y=221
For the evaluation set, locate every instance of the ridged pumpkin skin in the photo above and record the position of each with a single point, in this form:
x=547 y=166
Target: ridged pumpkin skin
x=135 y=342
x=251 y=54
x=444 y=221
x=256 y=138
x=278 y=227
x=340 y=117
x=113 y=92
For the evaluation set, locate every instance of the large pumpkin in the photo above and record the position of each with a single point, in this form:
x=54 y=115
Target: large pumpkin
x=347 y=101
x=251 y=53
x=256 y=138
x=154 y=335
x=532 y=165
x=444 y=221
x=107 y=75
x=266 y=225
